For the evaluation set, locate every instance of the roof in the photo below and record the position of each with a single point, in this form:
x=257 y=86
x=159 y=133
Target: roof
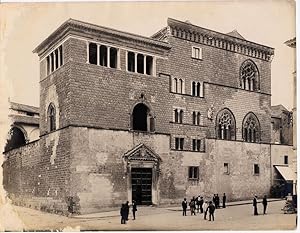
x=29 y=120
x=277 y=110
x=72 y=26
x=24 y=107
x=235 y=33
x=291 y=42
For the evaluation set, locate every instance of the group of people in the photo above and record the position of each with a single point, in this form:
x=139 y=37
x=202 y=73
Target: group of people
x=264 y=202
x=203 y=206
x=124 y=211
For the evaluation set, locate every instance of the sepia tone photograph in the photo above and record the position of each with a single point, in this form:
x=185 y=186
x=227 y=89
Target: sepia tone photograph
x=157 y=116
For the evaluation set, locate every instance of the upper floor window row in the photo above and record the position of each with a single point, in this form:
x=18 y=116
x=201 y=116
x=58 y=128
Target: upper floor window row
x=140 y=63
x=103 y=55
x=55 y=60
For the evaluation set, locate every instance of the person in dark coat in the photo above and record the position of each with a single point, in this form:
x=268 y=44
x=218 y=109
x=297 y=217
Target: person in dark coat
x=127 y=210
x=184 y=205
x=265 y=203
x=134 y=209
x=255 y=205
x=198 y=203
x=123 y=214
x=214 y=199
x=193 y=206
x=211 y=210
x=201 y=204
x=217 y=198
x=224 y=200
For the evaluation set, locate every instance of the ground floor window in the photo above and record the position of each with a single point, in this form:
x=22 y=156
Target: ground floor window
x=256 y=169
x=193 y=173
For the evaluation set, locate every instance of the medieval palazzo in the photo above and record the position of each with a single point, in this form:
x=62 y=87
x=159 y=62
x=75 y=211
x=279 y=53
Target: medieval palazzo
x=122 y=117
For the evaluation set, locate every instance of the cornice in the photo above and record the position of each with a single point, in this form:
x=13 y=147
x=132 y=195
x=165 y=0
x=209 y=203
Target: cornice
x=188 y=31
x=75 y=27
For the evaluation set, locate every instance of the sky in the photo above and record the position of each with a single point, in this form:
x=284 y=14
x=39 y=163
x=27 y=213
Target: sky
x=23 y=26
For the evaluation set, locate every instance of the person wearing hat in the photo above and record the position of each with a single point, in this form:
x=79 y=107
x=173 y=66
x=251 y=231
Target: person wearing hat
x=255 y=205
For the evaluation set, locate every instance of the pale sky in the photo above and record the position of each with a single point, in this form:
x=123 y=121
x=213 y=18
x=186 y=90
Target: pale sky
x=24 y=26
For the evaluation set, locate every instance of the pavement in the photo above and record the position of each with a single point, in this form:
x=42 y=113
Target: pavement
x=150 y=209
x=236 y=216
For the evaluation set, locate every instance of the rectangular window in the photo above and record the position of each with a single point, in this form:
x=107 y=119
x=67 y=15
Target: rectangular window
x=93 y=53
x=103 y=55
x=131 y=61
x=179 y=143
x=256 y=169
x=149 y=65
x=113 y=57
x=193 y=173
x=196 y=144
x=226 y=168
x=196 y=52
x=286 y=159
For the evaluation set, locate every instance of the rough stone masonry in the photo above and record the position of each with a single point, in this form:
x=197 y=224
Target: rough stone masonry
x=122 y=117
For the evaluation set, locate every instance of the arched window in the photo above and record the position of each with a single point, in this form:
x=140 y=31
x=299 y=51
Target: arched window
x=16 y=138
x=178 y=86
x=142 y=119
x=251 y=128
x=51 y=117
x=225 y=125
x=249 y=76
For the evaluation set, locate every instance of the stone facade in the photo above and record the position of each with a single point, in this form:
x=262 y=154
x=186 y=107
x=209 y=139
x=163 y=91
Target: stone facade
x=112 y=127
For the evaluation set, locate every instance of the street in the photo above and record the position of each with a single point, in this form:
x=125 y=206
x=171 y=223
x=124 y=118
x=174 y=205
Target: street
x=238 y=217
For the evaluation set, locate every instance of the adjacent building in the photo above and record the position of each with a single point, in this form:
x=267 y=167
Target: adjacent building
x=155 y=119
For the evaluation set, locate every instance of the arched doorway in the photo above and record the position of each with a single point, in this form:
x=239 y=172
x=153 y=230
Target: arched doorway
x=16 y=138
x=142 y=119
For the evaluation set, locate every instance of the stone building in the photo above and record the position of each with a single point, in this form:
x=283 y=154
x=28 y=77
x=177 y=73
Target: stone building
x=24 y=128
x=122 y=116
x=282 y=152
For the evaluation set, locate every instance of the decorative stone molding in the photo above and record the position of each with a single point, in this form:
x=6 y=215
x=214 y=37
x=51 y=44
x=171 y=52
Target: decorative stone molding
x=193 y=33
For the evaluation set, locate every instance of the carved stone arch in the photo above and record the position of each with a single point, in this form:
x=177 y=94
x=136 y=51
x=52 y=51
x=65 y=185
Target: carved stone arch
x=16 y=137
x=251 y=129
x=150 y=116
x=225 y=125
x=249 y=70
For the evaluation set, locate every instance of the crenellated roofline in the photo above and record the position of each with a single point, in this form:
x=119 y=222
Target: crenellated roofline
x=188 y=31
x=92 y=31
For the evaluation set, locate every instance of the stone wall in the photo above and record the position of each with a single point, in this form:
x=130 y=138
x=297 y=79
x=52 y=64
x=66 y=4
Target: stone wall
x=37 y=175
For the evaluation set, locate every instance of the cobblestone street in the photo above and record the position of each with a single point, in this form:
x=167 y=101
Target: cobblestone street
x=236 y=217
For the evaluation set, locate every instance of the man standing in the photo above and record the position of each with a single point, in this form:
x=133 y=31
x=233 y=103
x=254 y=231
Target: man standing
x=265 y=203
x=255 y=205
x=224 y=200
x=184 y=207
x=217 y=198
x=123 y=214
x=201 y=204
x=198 y=203
x=134 y=209
x=211 y=210
x=127 y=210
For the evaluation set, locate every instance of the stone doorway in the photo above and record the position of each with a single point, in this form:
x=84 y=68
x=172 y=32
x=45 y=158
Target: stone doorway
x=141 y=166
x=141 y=181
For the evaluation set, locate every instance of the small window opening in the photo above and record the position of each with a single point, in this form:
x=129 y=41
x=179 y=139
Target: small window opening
x=56 y=58
x=140 y=63
x=131 y=62
x=93 y=53
x=226 y=168
x=61 y=55
x=256 y=169
x=52 y=62
x=193 y=173
x=149 y=65
x=286 y=159
x=113 y=57
x=103 y=55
